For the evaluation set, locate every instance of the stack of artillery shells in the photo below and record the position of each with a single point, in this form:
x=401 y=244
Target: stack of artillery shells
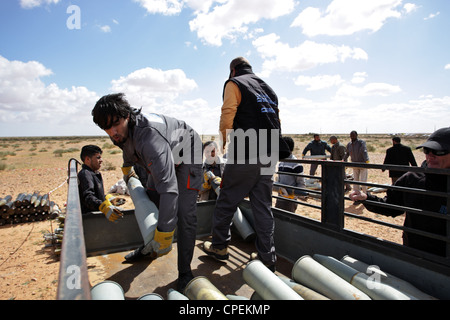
x=27 y=207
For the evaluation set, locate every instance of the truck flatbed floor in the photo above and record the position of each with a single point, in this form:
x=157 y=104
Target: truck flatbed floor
x=160 y=275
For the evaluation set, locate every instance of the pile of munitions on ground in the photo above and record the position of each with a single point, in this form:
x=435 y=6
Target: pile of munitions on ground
x=55 y=238
x=317 y=277
x=27 y=207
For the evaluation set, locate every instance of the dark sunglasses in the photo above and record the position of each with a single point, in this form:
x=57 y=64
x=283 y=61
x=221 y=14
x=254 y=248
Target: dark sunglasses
x=435 y=152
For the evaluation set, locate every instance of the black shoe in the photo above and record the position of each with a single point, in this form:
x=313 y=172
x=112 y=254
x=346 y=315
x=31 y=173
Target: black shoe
x=183 y=280
x=136 y=255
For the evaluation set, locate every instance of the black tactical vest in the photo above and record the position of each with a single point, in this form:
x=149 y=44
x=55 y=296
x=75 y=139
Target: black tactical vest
x=258 y=111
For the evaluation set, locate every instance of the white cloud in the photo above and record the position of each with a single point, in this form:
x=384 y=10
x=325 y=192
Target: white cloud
x=232 y=18
x=352 y=96
x=319 y=82
x=105 y=29
x=426 y=113
x=346 y=17
x=189 y=112
x=200 y=5
x=432 y=16
x=191 y=45
x=371 y=89
x=174 y=7
x=153 y=86
x=447 y=67
x=161 y=92
x=165 y=7
x=281 y=57
x=24 y=97
x=216 y=20
x=359 y=77
x=410 y=7
x=29 y=4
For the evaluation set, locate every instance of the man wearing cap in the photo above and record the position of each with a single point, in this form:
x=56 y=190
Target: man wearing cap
x=436 y=149
x=250 y=106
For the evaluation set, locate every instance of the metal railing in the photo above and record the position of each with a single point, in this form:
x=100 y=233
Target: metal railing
x=73 y=275
x=332 y=194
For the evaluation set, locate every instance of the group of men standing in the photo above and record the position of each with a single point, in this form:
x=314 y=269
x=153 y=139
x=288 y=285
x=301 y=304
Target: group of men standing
x=170 y=152
x=356 y=150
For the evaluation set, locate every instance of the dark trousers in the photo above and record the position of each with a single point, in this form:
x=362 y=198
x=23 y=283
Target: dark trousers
x=286 y=205
x=238 y=182
x=189 y=178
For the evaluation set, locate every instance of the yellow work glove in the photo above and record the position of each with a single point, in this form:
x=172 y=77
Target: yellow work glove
x=115 y=200
x=161 y=243
x=111 y=212
x=282 y=192
x=206 y=184
x=128 y=172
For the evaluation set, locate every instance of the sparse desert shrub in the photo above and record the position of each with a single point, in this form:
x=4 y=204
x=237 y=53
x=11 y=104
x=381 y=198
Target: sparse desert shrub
x=7 y=153
x=108 y=146
x=108 y=166
x=60 y=152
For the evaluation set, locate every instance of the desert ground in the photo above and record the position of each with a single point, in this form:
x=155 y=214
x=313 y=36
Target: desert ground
x=29 y=270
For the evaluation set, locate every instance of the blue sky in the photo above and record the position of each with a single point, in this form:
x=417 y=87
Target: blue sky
x=375 y=66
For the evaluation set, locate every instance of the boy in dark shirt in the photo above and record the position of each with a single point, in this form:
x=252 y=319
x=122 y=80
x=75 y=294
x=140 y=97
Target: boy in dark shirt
x=90 y=179
x=90 y=187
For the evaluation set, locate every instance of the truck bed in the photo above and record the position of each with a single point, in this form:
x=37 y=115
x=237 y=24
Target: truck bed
x=160 y=275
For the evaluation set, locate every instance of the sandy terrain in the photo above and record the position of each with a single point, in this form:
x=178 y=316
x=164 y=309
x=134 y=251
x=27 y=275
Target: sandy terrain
x=29 y=270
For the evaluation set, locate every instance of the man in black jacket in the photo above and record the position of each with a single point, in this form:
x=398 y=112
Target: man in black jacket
x=437 y=150
x=317 y=148
x=250 y=107
x=400 y=155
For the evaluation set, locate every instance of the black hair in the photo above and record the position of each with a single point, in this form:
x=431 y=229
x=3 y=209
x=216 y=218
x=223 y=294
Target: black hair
x=290 y=142
x=89 y=151
x=397 y=139
x=207 y=143
x=113 y=106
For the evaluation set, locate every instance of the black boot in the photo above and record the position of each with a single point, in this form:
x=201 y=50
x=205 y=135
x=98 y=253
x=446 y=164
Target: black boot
x=183 y=280
x=135 y=255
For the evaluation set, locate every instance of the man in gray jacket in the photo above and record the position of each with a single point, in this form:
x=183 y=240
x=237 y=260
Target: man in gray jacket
x=357 y=151
x=171 y=153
